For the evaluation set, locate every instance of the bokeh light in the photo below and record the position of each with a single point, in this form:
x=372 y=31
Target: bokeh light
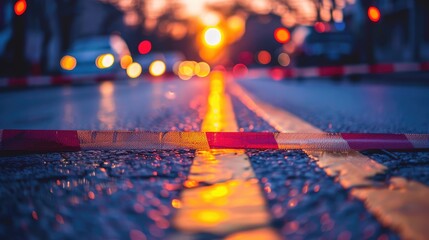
x=210 y=18
x=145 y=47
x=212 y=37
x=236 y=27
x=134 y=70
x=284 y=59
x=157 y=68
x=276 y=74
x=337 y=15
x=320 y=27
x=68 y=63
x=186 y=70
x=20 y=7
x=282 y=35
x=264 y=57
x=126 y=60
x=239 y=70
x=204 y=69
x=374 y=14
x=245 y=57
x=105 y=61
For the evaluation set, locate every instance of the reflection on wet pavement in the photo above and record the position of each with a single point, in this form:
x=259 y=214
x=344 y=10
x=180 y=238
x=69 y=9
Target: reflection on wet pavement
x=107 y=112
x=222 y=196
x=304 y=202
x=92 y=194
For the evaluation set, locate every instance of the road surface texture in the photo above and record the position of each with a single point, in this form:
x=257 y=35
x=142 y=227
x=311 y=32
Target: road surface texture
x=143 y=194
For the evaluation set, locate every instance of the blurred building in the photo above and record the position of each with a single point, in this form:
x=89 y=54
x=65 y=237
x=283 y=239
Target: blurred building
x=401 y=34
x=34 y=40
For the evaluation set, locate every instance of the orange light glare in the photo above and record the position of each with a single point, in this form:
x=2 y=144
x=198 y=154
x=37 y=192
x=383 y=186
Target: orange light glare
x=126 y=61
x=282 y=35
x=264 y=57
x=157 y=68
x=212 y=37
x=236 y=27
x=374 y=14
x=134 y=70
x=68 y=63
x=20 y=7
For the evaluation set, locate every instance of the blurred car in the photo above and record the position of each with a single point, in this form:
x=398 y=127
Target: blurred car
x=325 y=49
x=102 y=54
x=169 y=58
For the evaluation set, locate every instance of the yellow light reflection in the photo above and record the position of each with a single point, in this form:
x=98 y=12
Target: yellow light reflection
x=232 y=201
x=213 y=37
x=134 y=70
x=210 y=217
x=68 y=63
x=157 y=68
x=107 y=112
x=214 y=121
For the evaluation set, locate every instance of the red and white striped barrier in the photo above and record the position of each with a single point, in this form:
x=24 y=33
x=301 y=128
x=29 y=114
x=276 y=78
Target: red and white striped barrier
x=346 y=70
x=71 y=140
x=38 y=81
x=276 y=72
x=35 y=81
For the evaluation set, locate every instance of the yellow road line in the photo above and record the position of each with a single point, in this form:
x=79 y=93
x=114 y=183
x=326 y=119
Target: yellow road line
x=222 y=195
x=401 y=204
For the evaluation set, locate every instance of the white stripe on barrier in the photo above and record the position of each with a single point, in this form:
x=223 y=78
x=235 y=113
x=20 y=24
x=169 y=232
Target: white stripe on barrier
x=307 y=72
x=39 y=81
x=406 y=67
x=356 y=69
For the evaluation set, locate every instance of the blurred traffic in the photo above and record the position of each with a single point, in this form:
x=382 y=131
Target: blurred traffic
x=159 y=37
x=179 y=66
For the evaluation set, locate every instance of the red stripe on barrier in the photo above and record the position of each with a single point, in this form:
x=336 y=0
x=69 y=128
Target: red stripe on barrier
x=331 y=71
x=105 y=77
x=59 y=80
x=18 y=82
x=424 y=66
x=40 y=140
x=289 y=72
x=361 y=141
x=381 y=68
x=237 y=140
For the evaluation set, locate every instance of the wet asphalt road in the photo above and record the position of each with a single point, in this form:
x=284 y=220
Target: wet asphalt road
x=358 y=107
x=128 y=194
